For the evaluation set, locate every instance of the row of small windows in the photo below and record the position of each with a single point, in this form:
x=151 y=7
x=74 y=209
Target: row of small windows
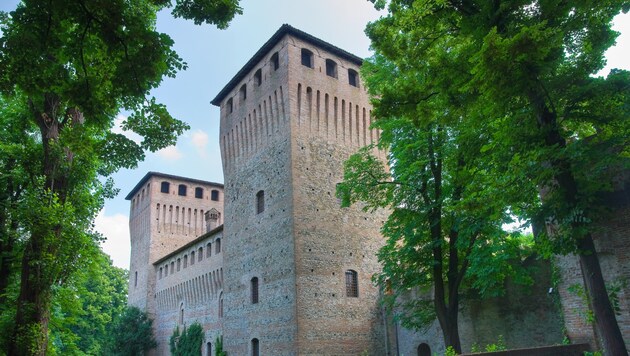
x=198 y=256
x=182 y=189
x=331 y=67
x=274 y=64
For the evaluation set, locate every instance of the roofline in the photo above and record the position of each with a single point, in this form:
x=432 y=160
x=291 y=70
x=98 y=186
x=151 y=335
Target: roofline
x=170 y=176
x=187 y=246
x=282 y=31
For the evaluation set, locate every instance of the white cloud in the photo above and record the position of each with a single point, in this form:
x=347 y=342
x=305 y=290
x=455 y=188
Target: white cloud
x=129 y=134
x=171 y=153
x=116 y=229
x=200 y=140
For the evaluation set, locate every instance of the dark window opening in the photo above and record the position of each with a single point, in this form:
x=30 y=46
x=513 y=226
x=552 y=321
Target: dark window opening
x=260 y=202
x=179 y=264
x=209 y=349
x=307 y=58
x=217 y=246
x=135 y=282
x=185 y=261
x=200 y=254
x=214 y=195
x=230 y=106
x=258 y=77
x=424 y=350
x=166 y=270
x=255 y=347
x=353 y=78
x=192 y=258
x=352 y=284
x=160 y=273
x=275 y=61
x=331 y=68
x=165 y=187
x=181 y=190
x=172 y=267
x=208 y=250
x=254 y=286
x=199 y=193
x=243 y=92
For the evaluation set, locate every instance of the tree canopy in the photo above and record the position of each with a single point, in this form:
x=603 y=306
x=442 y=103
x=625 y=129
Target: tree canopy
x=525 y=70
x=68 y=68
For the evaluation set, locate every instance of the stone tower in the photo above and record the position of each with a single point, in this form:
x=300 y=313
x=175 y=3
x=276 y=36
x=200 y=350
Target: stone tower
x=166 y=213
x=297 y=266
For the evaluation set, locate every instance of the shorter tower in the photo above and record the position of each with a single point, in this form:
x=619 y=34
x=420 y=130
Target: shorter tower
x=167 y=212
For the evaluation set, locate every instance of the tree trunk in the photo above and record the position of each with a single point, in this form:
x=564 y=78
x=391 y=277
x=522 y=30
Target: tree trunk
x=605 y=321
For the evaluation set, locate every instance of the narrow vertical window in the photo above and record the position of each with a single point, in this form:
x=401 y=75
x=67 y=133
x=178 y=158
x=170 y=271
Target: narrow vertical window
x=275 y=61
x=260 y=202
x=209 y=250
x=220 y=311
x=209 y=349
x=352 y=284
x=307 y=58
x=135 y=281
x=255 y=347
x=192 y=258
x=230 y=106
x=217 y=246
x=254 y=290
x=353 y=78
x=331 y=68
x=179 y=264
x=166 y=270
x=258 y=77
x=214 y=195
x=160 y=273
x=181 y=190
x=243 y=92
x=200 y=254
x=185 y=261
x=199 y=193
x=165 y=187
x=172 y=267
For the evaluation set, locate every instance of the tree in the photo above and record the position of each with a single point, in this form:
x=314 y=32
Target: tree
x=529 y=65
x=189 y=342
x=71 y=66
x=446 y=222
x=131 y=334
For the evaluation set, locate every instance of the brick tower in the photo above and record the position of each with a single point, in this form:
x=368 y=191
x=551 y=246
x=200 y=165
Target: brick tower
x=166 y=213
x=297 y=266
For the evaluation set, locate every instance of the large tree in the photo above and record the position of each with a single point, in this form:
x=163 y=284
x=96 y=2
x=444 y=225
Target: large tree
x=530 y=65
x=71 y=66
x=446 y=221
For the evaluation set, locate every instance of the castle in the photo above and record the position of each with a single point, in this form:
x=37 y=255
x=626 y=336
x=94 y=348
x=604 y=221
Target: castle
x=268 y=260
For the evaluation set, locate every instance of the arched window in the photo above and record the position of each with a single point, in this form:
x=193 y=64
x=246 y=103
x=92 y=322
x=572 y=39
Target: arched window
x=230 y=105
x=181 y=190
x=424 y=350
x=331 y=68
x=254 y=290
x=260 y=202
x=179 y=264
x=258 y=77
x=166 y=270
x=192 y=258
x=214 y=195
x=307 y=58
x=185 y=261
x=199 y=193
x=165 y=187
x=200 y=254
x=208 y=349
x=160 y=273
x=352 y=284
x=243 y=92
x=172 y=267
x=217 y=246
x=209 y=249
x=255 y=347
x=353 y=78
x=275 y=61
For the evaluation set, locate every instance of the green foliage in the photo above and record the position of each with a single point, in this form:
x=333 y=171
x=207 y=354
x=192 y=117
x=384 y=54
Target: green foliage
x=68 y=68
x=188 y=343
x=131 y=334
x=450 y=351
x=219 y=347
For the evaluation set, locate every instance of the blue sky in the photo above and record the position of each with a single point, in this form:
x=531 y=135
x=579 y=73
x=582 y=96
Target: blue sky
x=213 y=57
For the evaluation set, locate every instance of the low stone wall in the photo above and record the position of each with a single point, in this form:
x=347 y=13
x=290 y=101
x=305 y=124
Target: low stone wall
x=556 y=350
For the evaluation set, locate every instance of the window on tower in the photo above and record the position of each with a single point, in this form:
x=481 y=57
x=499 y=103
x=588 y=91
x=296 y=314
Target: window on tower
x=255 y=347
x=243 y=92
x=275 y=61
x=258 y=77
x=214 y=195
x=331 y=68
x=254 y=290
x=352 y=284
x=217 y=246
x=199 y=193
x=260 y=202
x=307 y=58
x=181 y=190
x=165 y=187
x=230 y=105
x=353 y=78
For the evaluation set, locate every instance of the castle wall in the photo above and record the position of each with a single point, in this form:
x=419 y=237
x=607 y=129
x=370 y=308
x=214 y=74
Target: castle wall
x=191 y=293
x=330 y=121
x=255 y=150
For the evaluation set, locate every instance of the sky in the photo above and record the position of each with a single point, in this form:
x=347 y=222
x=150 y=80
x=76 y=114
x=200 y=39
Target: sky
x=214 y=56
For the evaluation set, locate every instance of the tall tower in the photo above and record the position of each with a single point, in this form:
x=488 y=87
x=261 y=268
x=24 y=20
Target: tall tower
x=297 y=266
x=166 y=212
